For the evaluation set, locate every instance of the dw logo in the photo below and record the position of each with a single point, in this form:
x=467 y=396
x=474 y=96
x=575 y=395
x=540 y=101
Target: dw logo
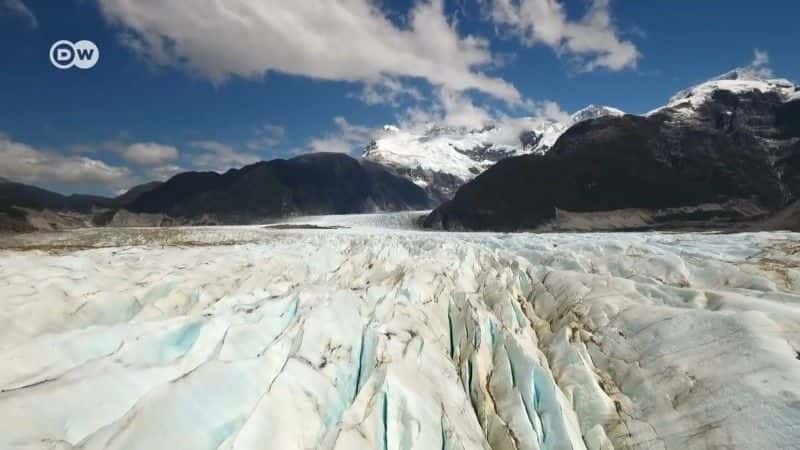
x=81 y=54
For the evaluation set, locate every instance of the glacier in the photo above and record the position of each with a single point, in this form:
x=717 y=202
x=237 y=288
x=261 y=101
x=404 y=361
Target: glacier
x=375 y=335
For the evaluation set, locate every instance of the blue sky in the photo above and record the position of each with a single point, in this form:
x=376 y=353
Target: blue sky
x=191 y=85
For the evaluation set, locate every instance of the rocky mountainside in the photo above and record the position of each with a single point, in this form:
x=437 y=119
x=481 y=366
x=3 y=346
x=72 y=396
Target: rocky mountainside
x=724 y=151
x=441 y=159
x=318 y=183
x=137 y=191
x=20 y=195
x=27 y=208
x=27 y=196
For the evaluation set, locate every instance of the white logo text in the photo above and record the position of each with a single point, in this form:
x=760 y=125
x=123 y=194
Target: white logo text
x=82 y=54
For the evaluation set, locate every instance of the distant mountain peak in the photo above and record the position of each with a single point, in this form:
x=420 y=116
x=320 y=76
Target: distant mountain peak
x=441 y=158
x=312 y=183
x=721 y=155
x=130 y=195
x=739 y=80
x=593 y=112
x=745 y=74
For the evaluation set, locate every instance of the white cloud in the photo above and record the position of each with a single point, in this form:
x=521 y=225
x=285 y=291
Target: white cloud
x=266 y=136
x=26 y=164
x=451 y=108
x=220 y=157
x=546 y=109
x=149 y=161
x=592 y=40
x=349 y=138
x=760 y=58
x=18 y=8
x=387 y=91
x=457 y=109
x=460 y=111
x=350 y=40
x=149 y=154
x=161 y=173
x=759 y=66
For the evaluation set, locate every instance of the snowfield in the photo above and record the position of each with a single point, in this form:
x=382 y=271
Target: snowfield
x=378 y=336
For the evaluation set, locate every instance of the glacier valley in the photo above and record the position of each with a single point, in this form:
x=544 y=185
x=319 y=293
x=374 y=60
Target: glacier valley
x=361 y=332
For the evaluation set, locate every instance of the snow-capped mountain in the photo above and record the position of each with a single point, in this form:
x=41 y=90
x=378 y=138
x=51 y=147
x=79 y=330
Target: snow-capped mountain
x=720 y=154
x=441 y=159
x=737 y=81
x=594 y=112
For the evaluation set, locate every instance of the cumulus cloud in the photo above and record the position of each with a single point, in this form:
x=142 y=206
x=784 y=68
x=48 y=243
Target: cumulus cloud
x=350 y=40
x=348 y=138
x=460 y=111
x=457 y=109
x=148 y=161
x=19 y=9
x=26 y=164
x=592 y=40
x=149 y=154
x=450 y=108
x=547 y=109
x=220 y=157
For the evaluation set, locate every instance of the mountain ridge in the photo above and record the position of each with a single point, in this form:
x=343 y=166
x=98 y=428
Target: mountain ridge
x=722 y=155
x=441 y=159
x=318 y=183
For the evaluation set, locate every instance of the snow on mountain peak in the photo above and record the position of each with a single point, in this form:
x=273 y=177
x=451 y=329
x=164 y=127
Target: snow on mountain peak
x=739 y=80
x=593 y=112
x=441 y=158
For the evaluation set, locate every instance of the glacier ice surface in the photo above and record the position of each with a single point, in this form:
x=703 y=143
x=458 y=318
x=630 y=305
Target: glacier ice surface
x=380 y=336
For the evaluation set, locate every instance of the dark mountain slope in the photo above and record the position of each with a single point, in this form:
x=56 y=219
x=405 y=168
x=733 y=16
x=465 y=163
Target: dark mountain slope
x=731 y=149
x=320 y=183
x=26 y=196
x=135 y=192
